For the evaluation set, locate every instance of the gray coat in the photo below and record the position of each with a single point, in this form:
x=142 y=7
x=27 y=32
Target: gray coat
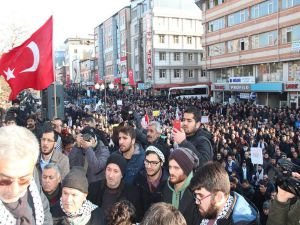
x=61 y=160
x=93 y=160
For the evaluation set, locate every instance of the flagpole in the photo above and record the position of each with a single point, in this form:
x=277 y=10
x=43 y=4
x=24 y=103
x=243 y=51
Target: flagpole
x=54 y=86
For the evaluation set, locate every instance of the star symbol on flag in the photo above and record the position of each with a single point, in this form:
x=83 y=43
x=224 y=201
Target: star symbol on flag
x=9 y=74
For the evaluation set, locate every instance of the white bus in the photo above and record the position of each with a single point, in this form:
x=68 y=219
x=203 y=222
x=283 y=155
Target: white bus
x=194 y=91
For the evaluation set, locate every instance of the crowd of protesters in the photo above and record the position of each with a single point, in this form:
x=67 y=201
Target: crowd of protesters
x=130 y=151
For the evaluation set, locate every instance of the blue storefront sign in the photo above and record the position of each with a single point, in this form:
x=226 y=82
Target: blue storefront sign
x=267 y=87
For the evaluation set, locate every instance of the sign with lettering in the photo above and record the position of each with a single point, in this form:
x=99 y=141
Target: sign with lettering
x=245 y=80
x=291 y=86
x=239 y=87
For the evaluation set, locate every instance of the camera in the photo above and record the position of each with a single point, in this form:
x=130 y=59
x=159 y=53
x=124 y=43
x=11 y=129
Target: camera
x=87 y=137
x=284 y=178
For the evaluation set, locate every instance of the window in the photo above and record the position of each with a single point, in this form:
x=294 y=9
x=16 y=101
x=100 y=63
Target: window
x=162 y=56
x=290 y=34
x=216 y=24
x=290 y=3
x=264 y=39
x=191 y=74
x=232 y=46
x=216 y=49
x=244 y=44
x=176 y=39
x=176 y=73
x=162 y=39
x=135 y=44
x=162 y=73
x=190 y=56
x=263 y=9
x=176 y=56
x=189 y=40
x=75 y=51
x=238 y=17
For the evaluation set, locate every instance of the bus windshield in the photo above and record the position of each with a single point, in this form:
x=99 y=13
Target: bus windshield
x=196 y=91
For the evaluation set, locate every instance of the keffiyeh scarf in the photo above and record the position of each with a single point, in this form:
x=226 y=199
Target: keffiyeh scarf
x=7 y=218
x=224 y=212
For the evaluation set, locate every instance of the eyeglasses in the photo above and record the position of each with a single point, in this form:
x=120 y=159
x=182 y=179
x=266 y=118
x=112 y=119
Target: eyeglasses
x=151 y=163
x=199 y=200
x=46 y=140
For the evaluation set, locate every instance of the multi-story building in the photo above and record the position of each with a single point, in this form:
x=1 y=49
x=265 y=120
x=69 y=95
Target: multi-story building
x=251 y=50
x=166 y=46
x=77 y=49
x=112 y=46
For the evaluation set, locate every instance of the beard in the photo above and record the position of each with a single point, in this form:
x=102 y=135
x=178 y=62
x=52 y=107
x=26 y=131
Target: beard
x=212 y=212
x=177 y=179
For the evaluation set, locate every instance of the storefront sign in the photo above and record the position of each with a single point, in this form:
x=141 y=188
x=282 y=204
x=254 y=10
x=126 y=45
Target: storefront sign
x=267 y=87
x=291 y=86
x=218 y=87
x=239 y=87
x=149 y=45
x=245 y=80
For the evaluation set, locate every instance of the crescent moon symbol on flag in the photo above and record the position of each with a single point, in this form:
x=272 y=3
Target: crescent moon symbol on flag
x=36 y=57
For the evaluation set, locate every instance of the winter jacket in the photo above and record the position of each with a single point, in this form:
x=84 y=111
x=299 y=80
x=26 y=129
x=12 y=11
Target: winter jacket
x=135 y=164
x=96 y=160
x=148 y=197
x=200 y=145
x=187 y=204
x=286 y=213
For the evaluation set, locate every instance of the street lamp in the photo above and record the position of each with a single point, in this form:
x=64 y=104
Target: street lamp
x=103 y=87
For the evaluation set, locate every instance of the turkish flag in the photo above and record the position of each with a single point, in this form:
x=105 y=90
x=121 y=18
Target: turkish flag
x=130 y=77
x=30 y=65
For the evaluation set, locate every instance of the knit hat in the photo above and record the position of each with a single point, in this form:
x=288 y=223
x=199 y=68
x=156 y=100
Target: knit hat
x=76 y=179
x=186 y=159
x=154 y=149
x=118 y=160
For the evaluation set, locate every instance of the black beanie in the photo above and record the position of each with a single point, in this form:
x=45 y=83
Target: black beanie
x=76 y=179
x=118 y=160
x=186 y=159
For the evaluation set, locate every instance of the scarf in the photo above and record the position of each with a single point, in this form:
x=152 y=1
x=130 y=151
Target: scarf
x=177 y=195
x=86 y=209
x=8 y=218
x=223 y=213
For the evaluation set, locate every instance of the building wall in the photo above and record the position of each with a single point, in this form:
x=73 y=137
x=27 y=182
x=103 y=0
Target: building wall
x=252 y=38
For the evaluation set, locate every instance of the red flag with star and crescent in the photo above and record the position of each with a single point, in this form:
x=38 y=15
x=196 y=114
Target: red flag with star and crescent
x=30 y=65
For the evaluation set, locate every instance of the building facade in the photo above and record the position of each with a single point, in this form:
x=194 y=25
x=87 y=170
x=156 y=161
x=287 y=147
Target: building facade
x=251 y=50
x=112 y=48
x=77 y=50
x=166 y=46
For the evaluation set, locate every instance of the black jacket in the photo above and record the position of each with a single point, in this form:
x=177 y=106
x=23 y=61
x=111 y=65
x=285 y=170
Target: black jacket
x=147 y=197
x=126 y=192
x=200 y=145
x=187 y=205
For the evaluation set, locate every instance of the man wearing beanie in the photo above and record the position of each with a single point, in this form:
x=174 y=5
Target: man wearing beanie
x=106 y=192
x=151 y=180
x=182 y=161
x=73 y=207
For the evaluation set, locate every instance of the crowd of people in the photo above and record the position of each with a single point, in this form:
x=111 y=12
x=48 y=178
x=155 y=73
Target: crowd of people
x=125 y=164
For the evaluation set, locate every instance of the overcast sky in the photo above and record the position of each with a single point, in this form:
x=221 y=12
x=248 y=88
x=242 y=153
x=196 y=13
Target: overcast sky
x=71 y=17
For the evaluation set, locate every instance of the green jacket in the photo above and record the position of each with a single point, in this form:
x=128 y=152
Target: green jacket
x=287 y=213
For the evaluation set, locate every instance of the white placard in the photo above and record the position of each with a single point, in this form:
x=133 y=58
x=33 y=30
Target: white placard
x=119 y=102
x=204 y=119
x=256 y=155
